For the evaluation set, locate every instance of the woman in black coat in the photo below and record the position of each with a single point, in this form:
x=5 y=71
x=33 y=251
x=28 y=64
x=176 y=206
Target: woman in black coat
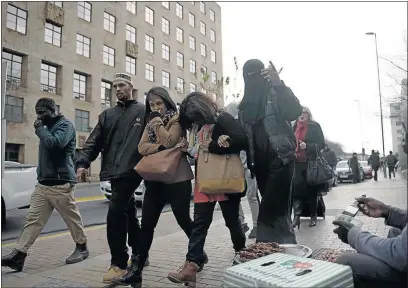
x=310 y=140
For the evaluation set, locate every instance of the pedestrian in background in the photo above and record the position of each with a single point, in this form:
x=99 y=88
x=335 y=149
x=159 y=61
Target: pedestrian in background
x=116 y=136
x=374 y=162
x=55 y=187
x=310 y=141
x=354 y=165
x=391 y=160
x=331 y=159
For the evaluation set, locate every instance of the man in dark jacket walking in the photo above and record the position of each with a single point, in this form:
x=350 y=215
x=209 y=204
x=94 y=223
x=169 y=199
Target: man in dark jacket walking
x=116 y=136
x=56 y=184
x=391 y=161
x=374 y=162
x=354 y=165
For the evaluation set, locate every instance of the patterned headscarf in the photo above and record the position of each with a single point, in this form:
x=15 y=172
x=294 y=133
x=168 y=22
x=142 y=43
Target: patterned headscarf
x=165 y=118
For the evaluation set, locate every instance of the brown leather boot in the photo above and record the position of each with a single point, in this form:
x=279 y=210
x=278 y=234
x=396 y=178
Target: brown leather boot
x=186 y=274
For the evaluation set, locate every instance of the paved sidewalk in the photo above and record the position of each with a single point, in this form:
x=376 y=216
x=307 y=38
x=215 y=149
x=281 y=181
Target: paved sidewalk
x=45 y=265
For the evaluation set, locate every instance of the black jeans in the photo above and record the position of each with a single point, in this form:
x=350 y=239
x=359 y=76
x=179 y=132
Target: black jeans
x=122 y=220
x=156 y=196
x=203 y=216
x=375 y=174
x=391 y=169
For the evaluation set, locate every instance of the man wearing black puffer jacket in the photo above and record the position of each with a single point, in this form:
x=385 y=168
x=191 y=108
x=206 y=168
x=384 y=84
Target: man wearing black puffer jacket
x=116 y=136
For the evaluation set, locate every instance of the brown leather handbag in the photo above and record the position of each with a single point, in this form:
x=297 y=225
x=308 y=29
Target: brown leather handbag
x=218 y=174
x=167 y=166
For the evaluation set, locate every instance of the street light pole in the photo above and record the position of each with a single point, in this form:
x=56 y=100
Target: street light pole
x=361 y=126
x=379 y=92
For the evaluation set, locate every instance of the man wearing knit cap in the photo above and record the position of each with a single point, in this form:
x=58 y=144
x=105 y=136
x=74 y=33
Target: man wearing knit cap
x=56 y=184
x=116 y=136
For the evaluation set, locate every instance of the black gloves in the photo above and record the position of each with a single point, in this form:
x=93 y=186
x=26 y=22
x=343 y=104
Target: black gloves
x=342 y=230
x=153 y=114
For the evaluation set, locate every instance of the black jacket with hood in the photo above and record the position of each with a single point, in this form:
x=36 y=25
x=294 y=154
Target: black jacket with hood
x=116 y=136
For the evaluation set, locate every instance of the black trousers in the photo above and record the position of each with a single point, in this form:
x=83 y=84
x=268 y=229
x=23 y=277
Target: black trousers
x=156 y=196
x=391 y=169
x=203 y=216
x=375 y=174
x=122 y=220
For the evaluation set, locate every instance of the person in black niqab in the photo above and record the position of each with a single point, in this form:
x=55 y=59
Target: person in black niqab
x=265 y=112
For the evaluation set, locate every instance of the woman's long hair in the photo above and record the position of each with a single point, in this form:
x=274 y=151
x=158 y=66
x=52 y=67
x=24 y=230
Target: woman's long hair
x=198 y=108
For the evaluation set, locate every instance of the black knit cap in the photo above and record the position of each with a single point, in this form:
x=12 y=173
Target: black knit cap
x=46 y=103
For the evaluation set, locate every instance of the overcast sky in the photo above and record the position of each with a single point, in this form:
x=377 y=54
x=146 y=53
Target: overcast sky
x=328 y=60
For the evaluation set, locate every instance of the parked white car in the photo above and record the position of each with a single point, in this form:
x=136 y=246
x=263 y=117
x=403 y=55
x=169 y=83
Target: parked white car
x=18 y=186
x=106 y=190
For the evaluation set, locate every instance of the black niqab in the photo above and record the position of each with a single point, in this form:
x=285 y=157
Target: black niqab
x=255 y=93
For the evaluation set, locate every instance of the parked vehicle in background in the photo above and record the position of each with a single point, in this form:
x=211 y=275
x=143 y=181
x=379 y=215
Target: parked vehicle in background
x=18 y=186
x=344 y=172
x=368 y=170
x=106 y=190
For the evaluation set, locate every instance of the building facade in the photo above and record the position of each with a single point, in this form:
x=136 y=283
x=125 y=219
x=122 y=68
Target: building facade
x=69 y=51
x=396 y=114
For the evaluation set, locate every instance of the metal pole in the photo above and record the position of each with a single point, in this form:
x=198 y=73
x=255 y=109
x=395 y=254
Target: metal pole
x=361 y=124
x=379 y=92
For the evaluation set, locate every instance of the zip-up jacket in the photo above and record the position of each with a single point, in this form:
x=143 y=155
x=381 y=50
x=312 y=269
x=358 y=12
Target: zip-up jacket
x=116 y=136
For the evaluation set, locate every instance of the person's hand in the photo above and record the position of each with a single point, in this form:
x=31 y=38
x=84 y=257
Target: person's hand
x=222 y=141
x=153 y=115
x=343 y=230
x=272 y=75
x=206 y=143
x=302 y=145
x=82 y=175
x=183 y=145
x=38 y=123
x=372 y=207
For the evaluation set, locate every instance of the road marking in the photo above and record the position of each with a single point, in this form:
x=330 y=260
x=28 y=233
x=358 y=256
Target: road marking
x=90 y=198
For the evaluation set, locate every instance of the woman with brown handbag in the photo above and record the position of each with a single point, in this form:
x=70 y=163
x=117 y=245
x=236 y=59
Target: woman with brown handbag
x=162 y=132
x=219 y=133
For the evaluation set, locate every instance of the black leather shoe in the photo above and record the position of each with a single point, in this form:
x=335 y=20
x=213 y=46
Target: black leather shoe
x=133 y=275
x=15 y=260
x=313 y=222
x=80 y=253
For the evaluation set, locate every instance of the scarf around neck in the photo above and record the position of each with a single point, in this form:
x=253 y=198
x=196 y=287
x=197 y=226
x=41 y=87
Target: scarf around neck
x=197 y=136
x=165 y=118
x=300 y=134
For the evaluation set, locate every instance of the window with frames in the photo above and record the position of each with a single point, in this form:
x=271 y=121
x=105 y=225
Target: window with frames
x=212 y=35
x=212 y=15
x=131 y=6
x=203 y=50
x=202 y=28
x=165 y=52
x=203 y=90
x=130 y=33
x=149 y=15
x=214 y=77
x=83 y=45
x=81 y=120
x=213 y=56
x=191 y=19
x=108 y=56
x=179 y=34
x=192 y=43
x=84 y=10
x=166 y=79
x=106 y=93
x=203 y=70
x=202 y=7
x=149 y=43
x=48 y=79
x=149 y=72
x=13 y=109
x=166 y=4
x=12 y=151
x=56 y=3
x=180 y=60
x=52 y=34
x=109 y=22
x=14 y=64
x=131 y=65
x=193 y=87
x=179 y=10
x=16 y=19
x=79 y=86
x=165 y=26
x=192 y=66
x=180 y=84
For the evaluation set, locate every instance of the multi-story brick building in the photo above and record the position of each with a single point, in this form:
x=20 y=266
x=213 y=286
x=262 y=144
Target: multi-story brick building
x=69 y=51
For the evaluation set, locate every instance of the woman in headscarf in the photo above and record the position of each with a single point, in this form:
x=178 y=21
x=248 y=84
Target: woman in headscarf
x=310 y=140
x=266 y=110
x=163 y=131
x=222 y=134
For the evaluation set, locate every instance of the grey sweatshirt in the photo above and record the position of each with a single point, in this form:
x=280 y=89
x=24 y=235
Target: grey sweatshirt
x=392 y=251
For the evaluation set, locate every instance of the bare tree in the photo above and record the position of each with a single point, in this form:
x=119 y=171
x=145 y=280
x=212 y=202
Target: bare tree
x=335 y=147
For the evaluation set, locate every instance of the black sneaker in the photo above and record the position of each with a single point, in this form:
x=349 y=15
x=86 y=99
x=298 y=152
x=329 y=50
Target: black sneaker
x=80 y=254
x=15 y=260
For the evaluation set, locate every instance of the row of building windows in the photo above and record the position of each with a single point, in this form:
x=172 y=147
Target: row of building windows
x=49 y=72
